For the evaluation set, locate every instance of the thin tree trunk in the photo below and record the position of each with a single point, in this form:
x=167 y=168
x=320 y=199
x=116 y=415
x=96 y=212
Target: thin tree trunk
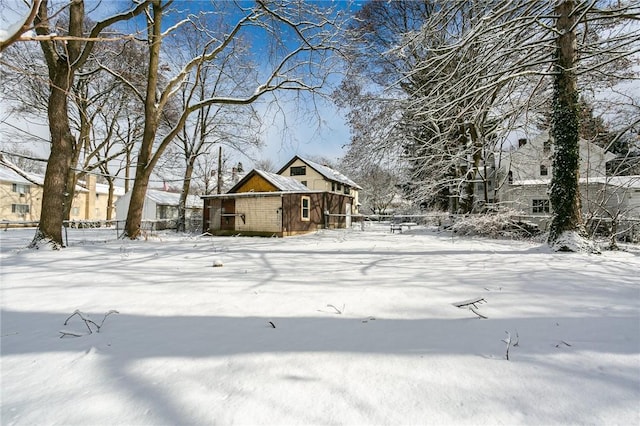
x=110 y=199
x=144 y=163
x=182 y=205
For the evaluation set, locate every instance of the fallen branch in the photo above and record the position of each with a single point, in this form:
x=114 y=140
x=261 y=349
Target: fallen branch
x=87 y=322
x=508 y=342
x=338 y=311
x=472 y=305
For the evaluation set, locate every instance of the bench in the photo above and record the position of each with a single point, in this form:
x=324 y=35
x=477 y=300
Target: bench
x=399 y=226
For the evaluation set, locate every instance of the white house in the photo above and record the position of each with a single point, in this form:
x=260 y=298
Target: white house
x=526 y=174
x=161 y=206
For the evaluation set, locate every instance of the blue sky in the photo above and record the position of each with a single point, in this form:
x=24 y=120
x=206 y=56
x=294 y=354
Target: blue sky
x=304 y=136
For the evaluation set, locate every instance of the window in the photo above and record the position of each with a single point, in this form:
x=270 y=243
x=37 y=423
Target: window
x=304 y=208
x=20 y=188
x=298 y=171
x=543 y=170
x=20 y=208
x=540 y=206
x=546 y=148
x=510 y=178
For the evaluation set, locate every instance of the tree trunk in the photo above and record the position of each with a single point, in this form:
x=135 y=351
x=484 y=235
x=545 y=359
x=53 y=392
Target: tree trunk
x=182 y=204
x=110 y=198
x=56 y=197
x=144 y=163
x=564 y=193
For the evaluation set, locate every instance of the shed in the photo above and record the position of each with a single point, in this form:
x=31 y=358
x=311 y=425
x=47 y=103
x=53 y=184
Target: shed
x=269 y=204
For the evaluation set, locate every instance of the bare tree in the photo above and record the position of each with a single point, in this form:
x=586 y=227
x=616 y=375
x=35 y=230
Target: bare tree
x=236 y=127
x=100 y=110
x=300 y=36
x=14 y=32
x=66 y=45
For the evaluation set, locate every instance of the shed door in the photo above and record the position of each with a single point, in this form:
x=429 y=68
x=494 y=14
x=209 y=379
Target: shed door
x=215 y=218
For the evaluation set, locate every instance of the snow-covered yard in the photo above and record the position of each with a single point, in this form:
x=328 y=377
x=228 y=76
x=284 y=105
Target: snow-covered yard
x=337 y=327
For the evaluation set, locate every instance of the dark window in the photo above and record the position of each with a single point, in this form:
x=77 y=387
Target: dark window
x=20 y=208
x=298 y=171
x=20 y=188
x=543 y=170
x=540 y=206
x=510 y=178
x=546 y=148
x=304 y=182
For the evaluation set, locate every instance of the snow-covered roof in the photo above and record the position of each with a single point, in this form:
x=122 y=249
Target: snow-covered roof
x=330 y=173
x=8 y=175
x=102 y=188
x=165 y=198
x=621 y=181
x=526 y=182
x=283 y=183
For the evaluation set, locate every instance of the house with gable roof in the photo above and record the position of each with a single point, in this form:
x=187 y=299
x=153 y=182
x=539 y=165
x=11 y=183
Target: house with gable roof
x=21 y=197
x=273 y=204
x=527 y=171
x=321 y=178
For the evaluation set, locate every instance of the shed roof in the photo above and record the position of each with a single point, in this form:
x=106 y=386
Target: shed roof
x=165 y=198
x=281 y=183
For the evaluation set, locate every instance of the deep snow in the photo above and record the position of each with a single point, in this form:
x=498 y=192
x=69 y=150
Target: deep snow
x=365 y=331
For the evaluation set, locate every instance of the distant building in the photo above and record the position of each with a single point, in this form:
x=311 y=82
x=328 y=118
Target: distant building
x=160 y=206
x=21 y=198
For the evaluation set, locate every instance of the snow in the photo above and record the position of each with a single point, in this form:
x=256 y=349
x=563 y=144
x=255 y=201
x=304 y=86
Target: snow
x=334 y=327
x=283 y=183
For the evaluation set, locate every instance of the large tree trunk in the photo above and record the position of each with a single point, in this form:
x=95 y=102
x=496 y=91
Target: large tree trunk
x=564 y=192
x=56 y=197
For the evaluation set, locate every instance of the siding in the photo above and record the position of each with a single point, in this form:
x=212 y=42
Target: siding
x=315 y=181
x=256 y=183
x=262 y=214
x=33 y=199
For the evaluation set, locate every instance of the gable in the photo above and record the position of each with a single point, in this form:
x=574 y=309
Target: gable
x=261 y=181
x=254 y=183
x=295 y=165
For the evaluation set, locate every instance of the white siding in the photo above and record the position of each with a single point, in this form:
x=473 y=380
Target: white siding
x=263 y=214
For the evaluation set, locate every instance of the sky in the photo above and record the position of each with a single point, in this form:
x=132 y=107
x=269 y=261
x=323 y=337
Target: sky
x=303 y=135
x=337 y=327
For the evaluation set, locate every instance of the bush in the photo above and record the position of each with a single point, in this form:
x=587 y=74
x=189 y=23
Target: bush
x=504 y=224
